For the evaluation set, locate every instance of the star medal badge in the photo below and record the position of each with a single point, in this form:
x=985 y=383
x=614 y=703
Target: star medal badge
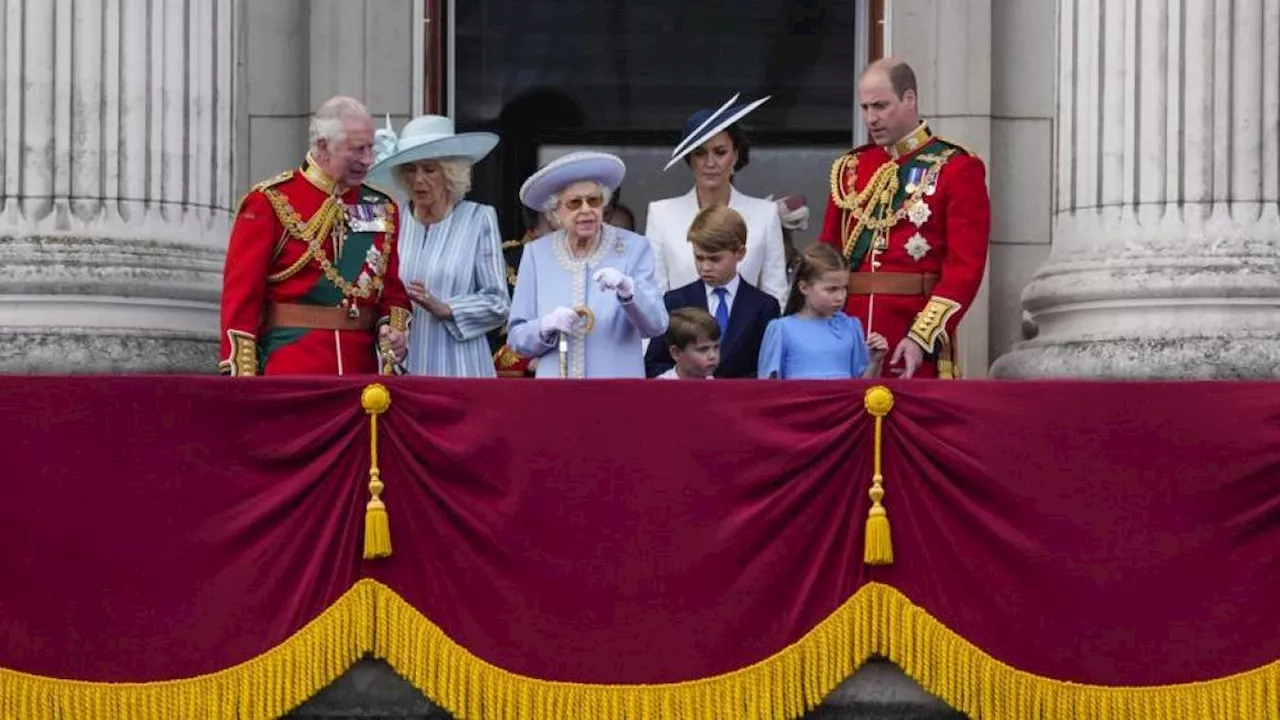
x=919 y=212
x=917 y=247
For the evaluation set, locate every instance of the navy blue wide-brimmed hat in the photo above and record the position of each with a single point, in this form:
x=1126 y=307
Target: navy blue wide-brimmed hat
x=705 y=124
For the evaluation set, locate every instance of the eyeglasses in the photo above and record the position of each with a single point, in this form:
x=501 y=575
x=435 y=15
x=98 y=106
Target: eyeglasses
x=595 y=201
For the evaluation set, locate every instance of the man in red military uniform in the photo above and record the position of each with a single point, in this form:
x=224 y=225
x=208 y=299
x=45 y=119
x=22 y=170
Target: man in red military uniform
x=911 y=213
x=312 y=283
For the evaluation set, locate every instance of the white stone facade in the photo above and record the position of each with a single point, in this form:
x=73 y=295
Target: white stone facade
x=1166 y=250
x=116 y=184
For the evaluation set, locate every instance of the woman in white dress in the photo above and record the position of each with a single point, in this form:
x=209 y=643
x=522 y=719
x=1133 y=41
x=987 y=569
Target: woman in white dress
x=715 y=148
x=450 y=249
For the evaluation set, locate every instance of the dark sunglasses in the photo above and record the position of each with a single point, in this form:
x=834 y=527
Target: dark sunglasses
x=594 y=201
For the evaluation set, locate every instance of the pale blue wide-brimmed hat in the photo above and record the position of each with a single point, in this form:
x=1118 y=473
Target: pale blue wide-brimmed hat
x=426 y=137
x=606 y=169
x=705 y=124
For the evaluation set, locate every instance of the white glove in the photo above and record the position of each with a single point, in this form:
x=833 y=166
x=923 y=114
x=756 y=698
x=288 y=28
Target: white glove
x=560 y=320
x=613 y=279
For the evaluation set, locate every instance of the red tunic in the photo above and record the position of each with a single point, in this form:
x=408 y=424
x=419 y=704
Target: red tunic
x=927 y=220
x=272 y=259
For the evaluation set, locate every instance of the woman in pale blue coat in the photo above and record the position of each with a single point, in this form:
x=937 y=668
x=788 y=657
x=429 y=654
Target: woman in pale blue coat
x=450 y=249
x=585 y=296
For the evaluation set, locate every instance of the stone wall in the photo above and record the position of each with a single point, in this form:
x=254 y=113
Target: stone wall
x=371 y=689
x=985 y=70
x=1167 y=201
x=116 y=186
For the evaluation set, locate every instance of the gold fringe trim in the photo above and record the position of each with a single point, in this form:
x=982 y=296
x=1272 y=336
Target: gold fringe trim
x=268 y=686
x=877 y=621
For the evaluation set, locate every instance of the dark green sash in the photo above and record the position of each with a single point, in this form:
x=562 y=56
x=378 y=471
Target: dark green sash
x=922 y=160
x=323 y=293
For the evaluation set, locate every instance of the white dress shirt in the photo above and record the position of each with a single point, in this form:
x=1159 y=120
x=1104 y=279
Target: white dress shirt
x=731 y=291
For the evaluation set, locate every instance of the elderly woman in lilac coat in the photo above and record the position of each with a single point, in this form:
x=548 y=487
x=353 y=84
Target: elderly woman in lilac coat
x=587 y=290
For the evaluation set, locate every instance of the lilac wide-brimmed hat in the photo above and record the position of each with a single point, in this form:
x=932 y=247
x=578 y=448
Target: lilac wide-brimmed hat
x=606 y=169
x=705 y=124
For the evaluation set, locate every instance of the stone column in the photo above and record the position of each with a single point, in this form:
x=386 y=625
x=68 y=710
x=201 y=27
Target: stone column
x=115 y=183
x=1166 y=251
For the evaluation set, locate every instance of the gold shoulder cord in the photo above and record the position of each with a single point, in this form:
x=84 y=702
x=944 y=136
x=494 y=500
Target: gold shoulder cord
x=838 y=168
x=318 y=228
x=326 y=221
x=877 y=195
x=861 y=206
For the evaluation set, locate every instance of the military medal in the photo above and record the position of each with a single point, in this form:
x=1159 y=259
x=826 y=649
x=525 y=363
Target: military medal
x=918 y=212
x=917 y=247
x=914 y=175
x=363 y=217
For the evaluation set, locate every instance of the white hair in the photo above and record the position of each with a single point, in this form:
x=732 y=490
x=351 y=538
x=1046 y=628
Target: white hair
x=553 y=202
x=456 y=171
x=329 y=122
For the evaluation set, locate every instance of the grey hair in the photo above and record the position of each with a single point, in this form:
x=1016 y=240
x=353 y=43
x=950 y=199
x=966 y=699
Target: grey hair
x=553 y=202
x=457 y=177
x=329 y=121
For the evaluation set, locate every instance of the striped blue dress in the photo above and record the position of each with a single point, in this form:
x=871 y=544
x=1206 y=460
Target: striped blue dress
x=459 y=259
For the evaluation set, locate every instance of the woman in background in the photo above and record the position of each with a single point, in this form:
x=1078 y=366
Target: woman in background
x=715 y=148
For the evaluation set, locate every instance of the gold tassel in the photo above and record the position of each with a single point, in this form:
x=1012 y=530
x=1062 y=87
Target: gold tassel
x=878 y=547
x=377 y=528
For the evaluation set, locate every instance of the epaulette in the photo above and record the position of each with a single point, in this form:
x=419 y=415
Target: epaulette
x=272 y=182
x=268 y=183
x=961 y=148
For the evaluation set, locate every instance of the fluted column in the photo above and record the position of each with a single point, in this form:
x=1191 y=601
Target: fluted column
x=1166 y=249
x=116 y=185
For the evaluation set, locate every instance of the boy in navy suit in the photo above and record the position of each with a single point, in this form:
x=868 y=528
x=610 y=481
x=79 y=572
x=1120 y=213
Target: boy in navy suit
x=719 y=238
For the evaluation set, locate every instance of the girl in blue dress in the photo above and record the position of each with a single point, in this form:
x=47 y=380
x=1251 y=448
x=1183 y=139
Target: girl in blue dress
x=814 y=339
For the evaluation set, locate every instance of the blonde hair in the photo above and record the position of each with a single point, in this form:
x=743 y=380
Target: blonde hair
x=717 y=229
x=456 y=171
